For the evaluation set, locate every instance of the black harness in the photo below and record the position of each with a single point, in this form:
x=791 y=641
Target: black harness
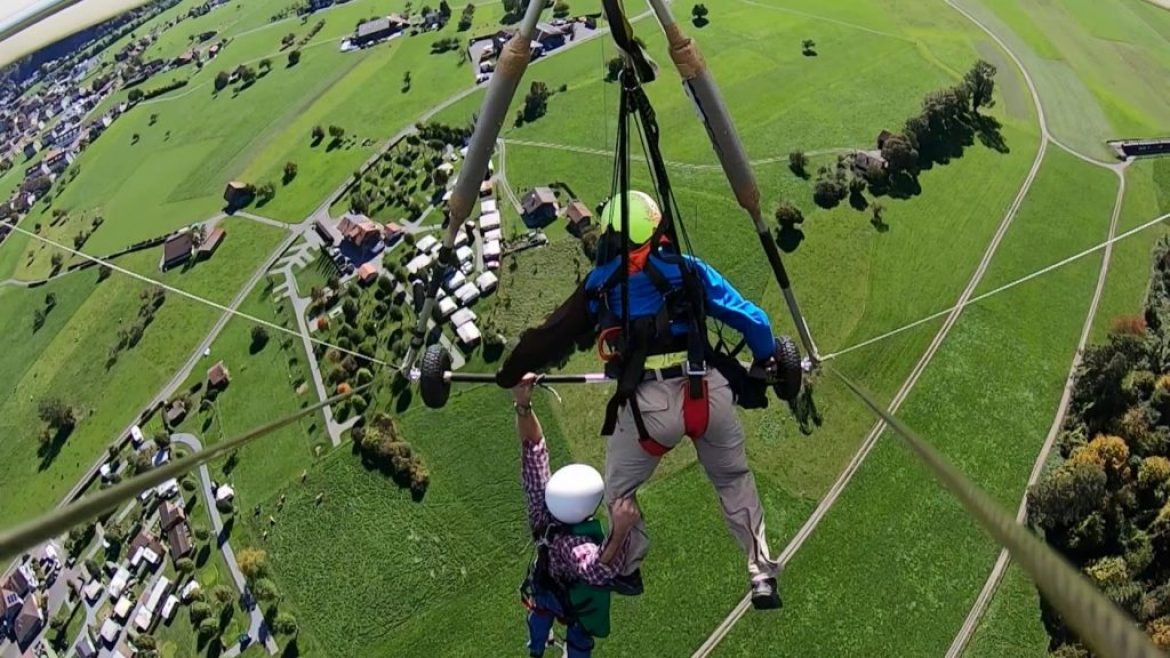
x=633 y=340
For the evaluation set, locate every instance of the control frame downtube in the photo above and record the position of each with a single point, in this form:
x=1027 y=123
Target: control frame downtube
x=704 y=92
x=511 y=65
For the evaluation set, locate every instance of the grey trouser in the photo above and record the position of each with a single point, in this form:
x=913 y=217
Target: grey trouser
x=720 y=451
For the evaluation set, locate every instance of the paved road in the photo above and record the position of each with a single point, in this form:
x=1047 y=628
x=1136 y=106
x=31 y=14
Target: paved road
x=257 y=630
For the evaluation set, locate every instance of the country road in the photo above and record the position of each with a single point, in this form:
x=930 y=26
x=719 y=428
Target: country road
x=258 y=629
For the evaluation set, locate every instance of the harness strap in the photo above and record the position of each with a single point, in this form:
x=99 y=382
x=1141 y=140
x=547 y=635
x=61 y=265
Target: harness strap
x=696 y=413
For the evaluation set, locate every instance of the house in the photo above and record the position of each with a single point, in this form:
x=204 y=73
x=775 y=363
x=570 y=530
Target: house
x=418 y=263
x=189 y=590
x=158 y=594
x=118 y=582
x=392 y=233
x=168 y=609
x=175 y=413
x=488 y=205
x=467 y=294
x=167 y=489
x=863 y=161
x=367 y=273
x=882 y=137
x=552 y=36
x=147 y=547
x=211 y=243
x=92 y=591
x=494 y=235
x=185 y=59
x=22 y=580
x=359 y=231
x=85 y=646
x=224 y=493
x=237 y=194
x=464 y=254
x=122 y=608
x=29 y=622
x=177 y=250
x=462 y=317
x=378 y=29
x=218 y=376
x=486 y=282
x=426 y=243
x=109 y=632
x=455 y=281
x=539 y=207
x=170 y=515
x=30 y=150
x=10 y=603
x=489 y=221
x=491 y=250
x=179 y=537
x=485 y=188
x=578 y=217
x=445 y=308
x=468 y=335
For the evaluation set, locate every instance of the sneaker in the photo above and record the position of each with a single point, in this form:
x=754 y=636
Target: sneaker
x=629 y=584
x=765 y=596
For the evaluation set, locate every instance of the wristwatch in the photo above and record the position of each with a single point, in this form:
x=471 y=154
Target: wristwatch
x=522 y=410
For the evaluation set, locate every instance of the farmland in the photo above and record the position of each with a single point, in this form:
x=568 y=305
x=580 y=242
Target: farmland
x=366 y=569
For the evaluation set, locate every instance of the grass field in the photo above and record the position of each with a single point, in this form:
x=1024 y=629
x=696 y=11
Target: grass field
x=897 y=548
x=66 y=358
x=1095 y=64
x=266 y=384
x=1011 y=624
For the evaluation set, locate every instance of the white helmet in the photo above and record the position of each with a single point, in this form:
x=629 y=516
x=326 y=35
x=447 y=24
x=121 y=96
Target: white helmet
x=573 y=493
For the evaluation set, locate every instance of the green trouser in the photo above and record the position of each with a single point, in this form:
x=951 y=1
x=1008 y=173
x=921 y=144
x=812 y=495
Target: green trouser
x=721 y=451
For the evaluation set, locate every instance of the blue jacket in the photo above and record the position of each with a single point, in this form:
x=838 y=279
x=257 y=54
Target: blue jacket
x=574 y=323
x=724 y=303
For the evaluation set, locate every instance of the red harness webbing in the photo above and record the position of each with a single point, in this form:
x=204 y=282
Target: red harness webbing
x=696 y=416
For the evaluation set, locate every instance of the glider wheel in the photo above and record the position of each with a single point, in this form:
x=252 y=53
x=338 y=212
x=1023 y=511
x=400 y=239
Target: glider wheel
x=789 y=374
x=432 y=383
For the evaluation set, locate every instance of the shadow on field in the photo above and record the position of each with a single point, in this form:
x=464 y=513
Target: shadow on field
x=788 y=238
x=51 y=447
x=989 y=133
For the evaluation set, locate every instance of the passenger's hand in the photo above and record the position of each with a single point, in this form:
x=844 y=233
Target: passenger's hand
x=522 y=392
x=624 y=513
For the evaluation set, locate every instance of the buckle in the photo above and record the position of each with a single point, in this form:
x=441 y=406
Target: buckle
x=692 y=370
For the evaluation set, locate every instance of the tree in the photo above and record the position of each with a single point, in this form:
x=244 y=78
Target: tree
x=200 y=610
x=512 y=8
x=247 y=74
x=290 y=172
x=535 y=103
x=337 y=133
x=253 y=562
x=265 y=590
x=788 y=215
x=221 y=80
x=223 y=594
x=265 y=192
x=798 y=163
x=153 y=118
x=294 y=56
x=827 y=193
x=135 y=95
x=467 y=17
x=38 y=319
x=444 y=9
x=900 y=155
x=162 y=439
x=699 y=14
x=285 y=624
x=56 y=414
x=259 y=336
x=876 y=209
x=318 y=134
x=561 y=9
x=145 y=642
x=980 y=84
x=208 y=628
x=265 y=65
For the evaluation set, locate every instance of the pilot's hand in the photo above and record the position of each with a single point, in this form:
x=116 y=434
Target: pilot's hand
x=522 y=392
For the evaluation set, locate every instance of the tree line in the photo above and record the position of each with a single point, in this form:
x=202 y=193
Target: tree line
x=382 y=447
x=1106 y=506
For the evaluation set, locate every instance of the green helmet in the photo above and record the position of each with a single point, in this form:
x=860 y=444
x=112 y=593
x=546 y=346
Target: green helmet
x=644 y=216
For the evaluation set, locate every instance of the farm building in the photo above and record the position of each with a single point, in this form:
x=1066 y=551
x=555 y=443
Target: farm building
x=367 y=273
x=539 y=207
x=578 y=217
x=359 y=231
x=211 y=243
x=29 y=622
x=179 y=537
x=218 y=376
x=175 y=413
x=378 y=29
x=170 y=515
x=863 y=161
x=237 y=194
x=177 y=250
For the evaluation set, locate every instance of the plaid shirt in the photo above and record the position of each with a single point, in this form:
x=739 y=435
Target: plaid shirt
x=571 y=558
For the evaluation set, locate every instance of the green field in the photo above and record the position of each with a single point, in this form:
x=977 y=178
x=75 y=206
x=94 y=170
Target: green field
x=1094 y=63
x=986 y=402
x=66 y=358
